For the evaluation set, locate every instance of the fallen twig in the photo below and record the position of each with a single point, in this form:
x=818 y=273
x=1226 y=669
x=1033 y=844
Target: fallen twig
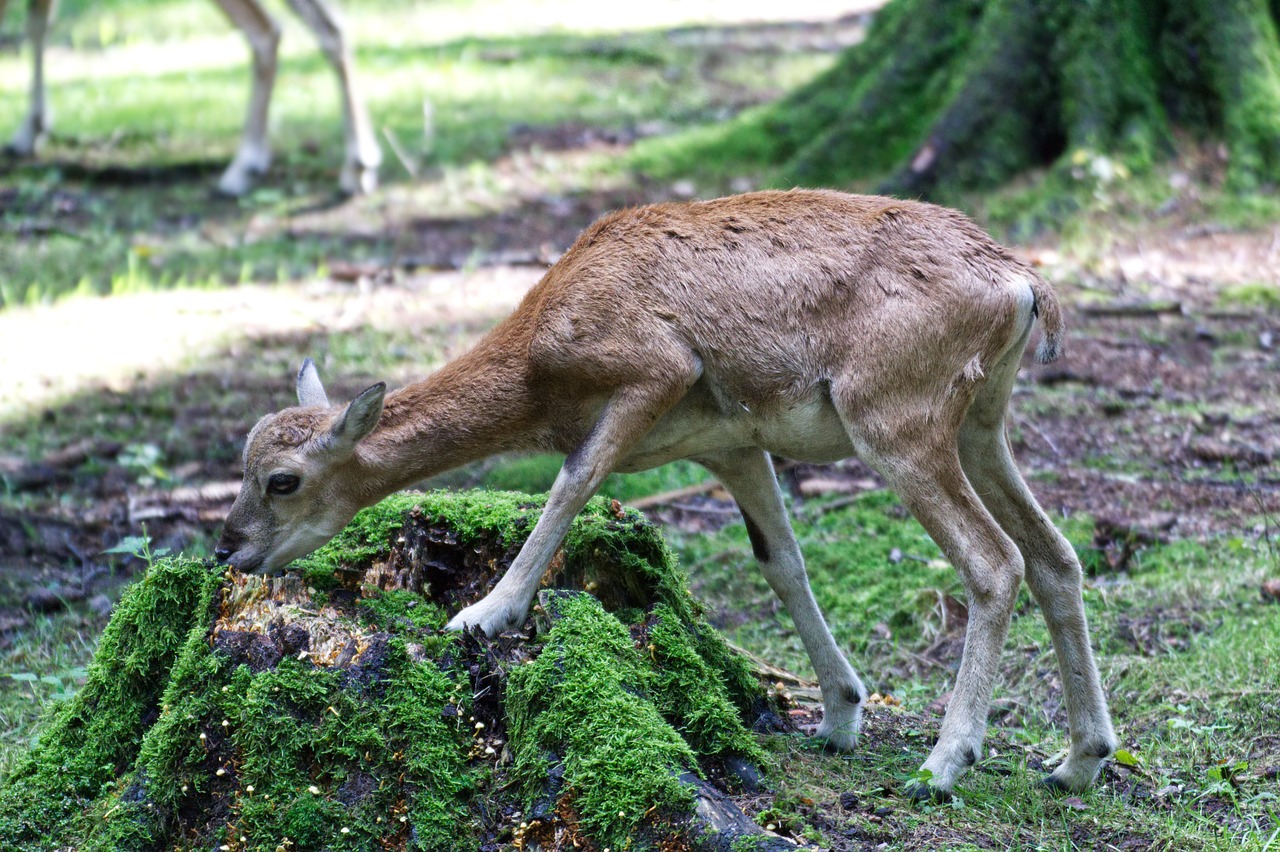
x=768 y=670
x=668 y=497
x=1134 y=309
x=1035 y=430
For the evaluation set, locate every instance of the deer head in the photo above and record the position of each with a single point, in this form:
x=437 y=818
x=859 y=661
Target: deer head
x=299 y=464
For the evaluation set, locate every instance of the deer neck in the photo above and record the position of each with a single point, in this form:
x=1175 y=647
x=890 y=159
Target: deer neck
x=474 y=407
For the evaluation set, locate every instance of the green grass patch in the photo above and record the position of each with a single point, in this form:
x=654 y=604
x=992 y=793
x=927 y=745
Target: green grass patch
x=1188 y=648
x=458 y=89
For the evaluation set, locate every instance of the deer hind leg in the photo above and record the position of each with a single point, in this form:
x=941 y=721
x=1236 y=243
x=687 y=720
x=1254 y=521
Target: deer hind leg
x=35 y=126
x=363 y=156
x=625 y=419
x=253 y=157
x=749 y=477
x=923 y=467
x=1053 y=573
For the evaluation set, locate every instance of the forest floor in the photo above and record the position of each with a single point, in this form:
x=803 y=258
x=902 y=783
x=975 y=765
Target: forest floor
x=1155 y=439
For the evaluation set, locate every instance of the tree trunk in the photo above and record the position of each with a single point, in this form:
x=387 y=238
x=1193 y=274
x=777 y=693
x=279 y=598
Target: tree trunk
x=328 y=710
x=958 y=94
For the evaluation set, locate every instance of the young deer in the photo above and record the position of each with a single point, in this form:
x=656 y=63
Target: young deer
x=360 y=166
x=811 y=325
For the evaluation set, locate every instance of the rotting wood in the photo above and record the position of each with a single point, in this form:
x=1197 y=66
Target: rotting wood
x=1151 y=308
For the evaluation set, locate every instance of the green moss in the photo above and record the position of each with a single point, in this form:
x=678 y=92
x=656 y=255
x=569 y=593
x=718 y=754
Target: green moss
x=367 y=537
x=399 y=609
x=92 y=739
x=947 y=97
x=1243 y=58
x=1108 y=54
x=579 y=704
x=174 y=742
x=690 y=692
x=332 y=760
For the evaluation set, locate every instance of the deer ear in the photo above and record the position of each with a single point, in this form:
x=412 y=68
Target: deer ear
x=310 y=391
x=358 y=420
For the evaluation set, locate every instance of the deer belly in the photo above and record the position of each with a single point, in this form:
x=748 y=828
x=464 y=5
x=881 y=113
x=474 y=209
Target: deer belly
x=806 y=430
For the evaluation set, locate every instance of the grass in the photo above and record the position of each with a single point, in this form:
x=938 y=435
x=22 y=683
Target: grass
x=127 y=94
x=1187 y=648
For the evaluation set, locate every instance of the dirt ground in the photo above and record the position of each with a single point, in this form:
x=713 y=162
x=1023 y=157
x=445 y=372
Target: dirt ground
x=1162 y=419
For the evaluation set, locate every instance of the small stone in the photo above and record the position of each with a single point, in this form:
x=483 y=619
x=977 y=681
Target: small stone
x=313 y=790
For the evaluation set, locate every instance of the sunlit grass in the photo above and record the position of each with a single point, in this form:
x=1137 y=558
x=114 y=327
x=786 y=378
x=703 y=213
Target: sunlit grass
x=449 y=86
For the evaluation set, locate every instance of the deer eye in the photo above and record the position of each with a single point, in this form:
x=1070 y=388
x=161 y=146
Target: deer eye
x=282 y=483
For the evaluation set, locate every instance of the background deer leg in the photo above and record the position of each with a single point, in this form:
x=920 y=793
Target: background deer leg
x=363 y=156
x=35 y=126
x=625 y=419
x=254 y=154
x=749 y=477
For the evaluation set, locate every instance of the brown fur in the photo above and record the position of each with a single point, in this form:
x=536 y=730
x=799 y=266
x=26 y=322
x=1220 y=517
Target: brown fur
x=806 y=324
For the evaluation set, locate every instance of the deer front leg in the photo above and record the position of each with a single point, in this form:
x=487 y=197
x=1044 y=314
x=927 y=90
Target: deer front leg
x=363 y=156
x=35 y=125
x=625 y=419
x=254 y=154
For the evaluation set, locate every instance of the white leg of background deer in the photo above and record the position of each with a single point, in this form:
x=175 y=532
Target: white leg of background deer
x=253 y=157
x=811 y=325
x=36 y=123
x=362 y=155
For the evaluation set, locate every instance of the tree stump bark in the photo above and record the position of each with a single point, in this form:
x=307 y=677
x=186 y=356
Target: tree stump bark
x=327 y=709
x=957 y=94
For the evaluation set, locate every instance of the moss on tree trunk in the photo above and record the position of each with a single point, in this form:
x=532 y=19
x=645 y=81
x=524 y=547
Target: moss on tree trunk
x=954 y=94
x=331 y=711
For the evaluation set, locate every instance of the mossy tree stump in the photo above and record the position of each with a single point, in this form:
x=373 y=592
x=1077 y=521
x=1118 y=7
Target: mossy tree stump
x=954 y=94
x=328 y=710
